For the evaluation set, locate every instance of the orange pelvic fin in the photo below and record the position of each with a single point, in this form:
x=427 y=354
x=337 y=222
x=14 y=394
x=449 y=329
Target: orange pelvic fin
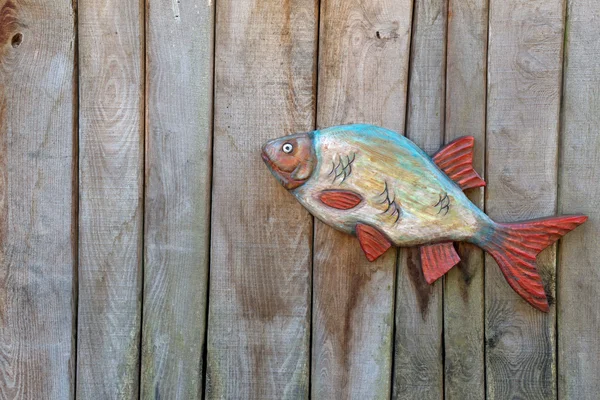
x=437 y=259
x=372 y=241
x=456 y=160
x=340 y=199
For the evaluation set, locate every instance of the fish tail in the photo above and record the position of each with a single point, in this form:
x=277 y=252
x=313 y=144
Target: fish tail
x=515 y=247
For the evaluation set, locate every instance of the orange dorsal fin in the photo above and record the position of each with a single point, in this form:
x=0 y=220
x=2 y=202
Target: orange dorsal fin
x=437 y=259
x=372 y=241
x=456 y=160
x=340 y=199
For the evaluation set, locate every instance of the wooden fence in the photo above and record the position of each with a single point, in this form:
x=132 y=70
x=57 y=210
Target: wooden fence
x=147 y=252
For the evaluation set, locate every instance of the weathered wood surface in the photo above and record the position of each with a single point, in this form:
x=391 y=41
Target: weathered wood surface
x=38 y=204
x=111 y=108
x=578 y=269
x=179 y=48
x=418 y=358
x=465 y=115
x=524 y=81
x=260 y=276
x=362 y=78
x=77 y=216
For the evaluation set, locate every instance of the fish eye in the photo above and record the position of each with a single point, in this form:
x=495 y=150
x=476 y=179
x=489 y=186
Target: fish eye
x=287 y=148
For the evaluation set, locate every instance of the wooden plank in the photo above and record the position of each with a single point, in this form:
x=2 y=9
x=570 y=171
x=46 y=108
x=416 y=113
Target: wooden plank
x=111 y=188
x=578 y=272
x=260 y=275
x=363 y=68
x=524 y=81
x=465 y=115
x=179 y=45
x=38 y=211
x=418 y=362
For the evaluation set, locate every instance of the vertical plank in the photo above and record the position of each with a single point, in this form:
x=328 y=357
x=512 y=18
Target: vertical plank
x=37 y=208
x=524 y=82
x=578 y=272
x=418 y=364
x=111 y=182
x=179 y=48
x=363 y=68
x=260 y=275
x=465 y=115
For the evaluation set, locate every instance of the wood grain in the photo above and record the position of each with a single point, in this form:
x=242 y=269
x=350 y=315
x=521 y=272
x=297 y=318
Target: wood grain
x=578 y=272
x=363 y=68
x=179 y=46
x=38 y=213
x=465 y=115
x=418 y=363
x=111 y=188
x=524 y=81
x=260 y=275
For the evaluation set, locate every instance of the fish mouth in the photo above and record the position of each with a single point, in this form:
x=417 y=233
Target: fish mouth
x=270 y=163
x=266 y=159
x=284 y=177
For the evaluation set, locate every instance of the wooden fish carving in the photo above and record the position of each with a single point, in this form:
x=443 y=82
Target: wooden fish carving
x=373 y=183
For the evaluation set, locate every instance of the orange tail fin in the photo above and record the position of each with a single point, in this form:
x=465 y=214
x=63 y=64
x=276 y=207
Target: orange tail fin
x=515 y=247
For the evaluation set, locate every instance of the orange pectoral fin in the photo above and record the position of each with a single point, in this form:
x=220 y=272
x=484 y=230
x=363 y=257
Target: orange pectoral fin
x=372 y=242
x=340 y=199
x=437 y=259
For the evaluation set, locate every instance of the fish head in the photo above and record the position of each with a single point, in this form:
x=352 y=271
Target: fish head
x=291 y=159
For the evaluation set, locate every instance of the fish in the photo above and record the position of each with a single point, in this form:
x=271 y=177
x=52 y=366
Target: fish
x=379 y=186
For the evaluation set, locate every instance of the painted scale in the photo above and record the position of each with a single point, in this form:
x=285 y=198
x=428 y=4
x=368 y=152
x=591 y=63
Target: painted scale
x=373 y=183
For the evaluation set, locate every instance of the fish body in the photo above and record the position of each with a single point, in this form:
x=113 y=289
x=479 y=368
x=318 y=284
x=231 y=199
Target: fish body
x=378 y=185
x=403 y=192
